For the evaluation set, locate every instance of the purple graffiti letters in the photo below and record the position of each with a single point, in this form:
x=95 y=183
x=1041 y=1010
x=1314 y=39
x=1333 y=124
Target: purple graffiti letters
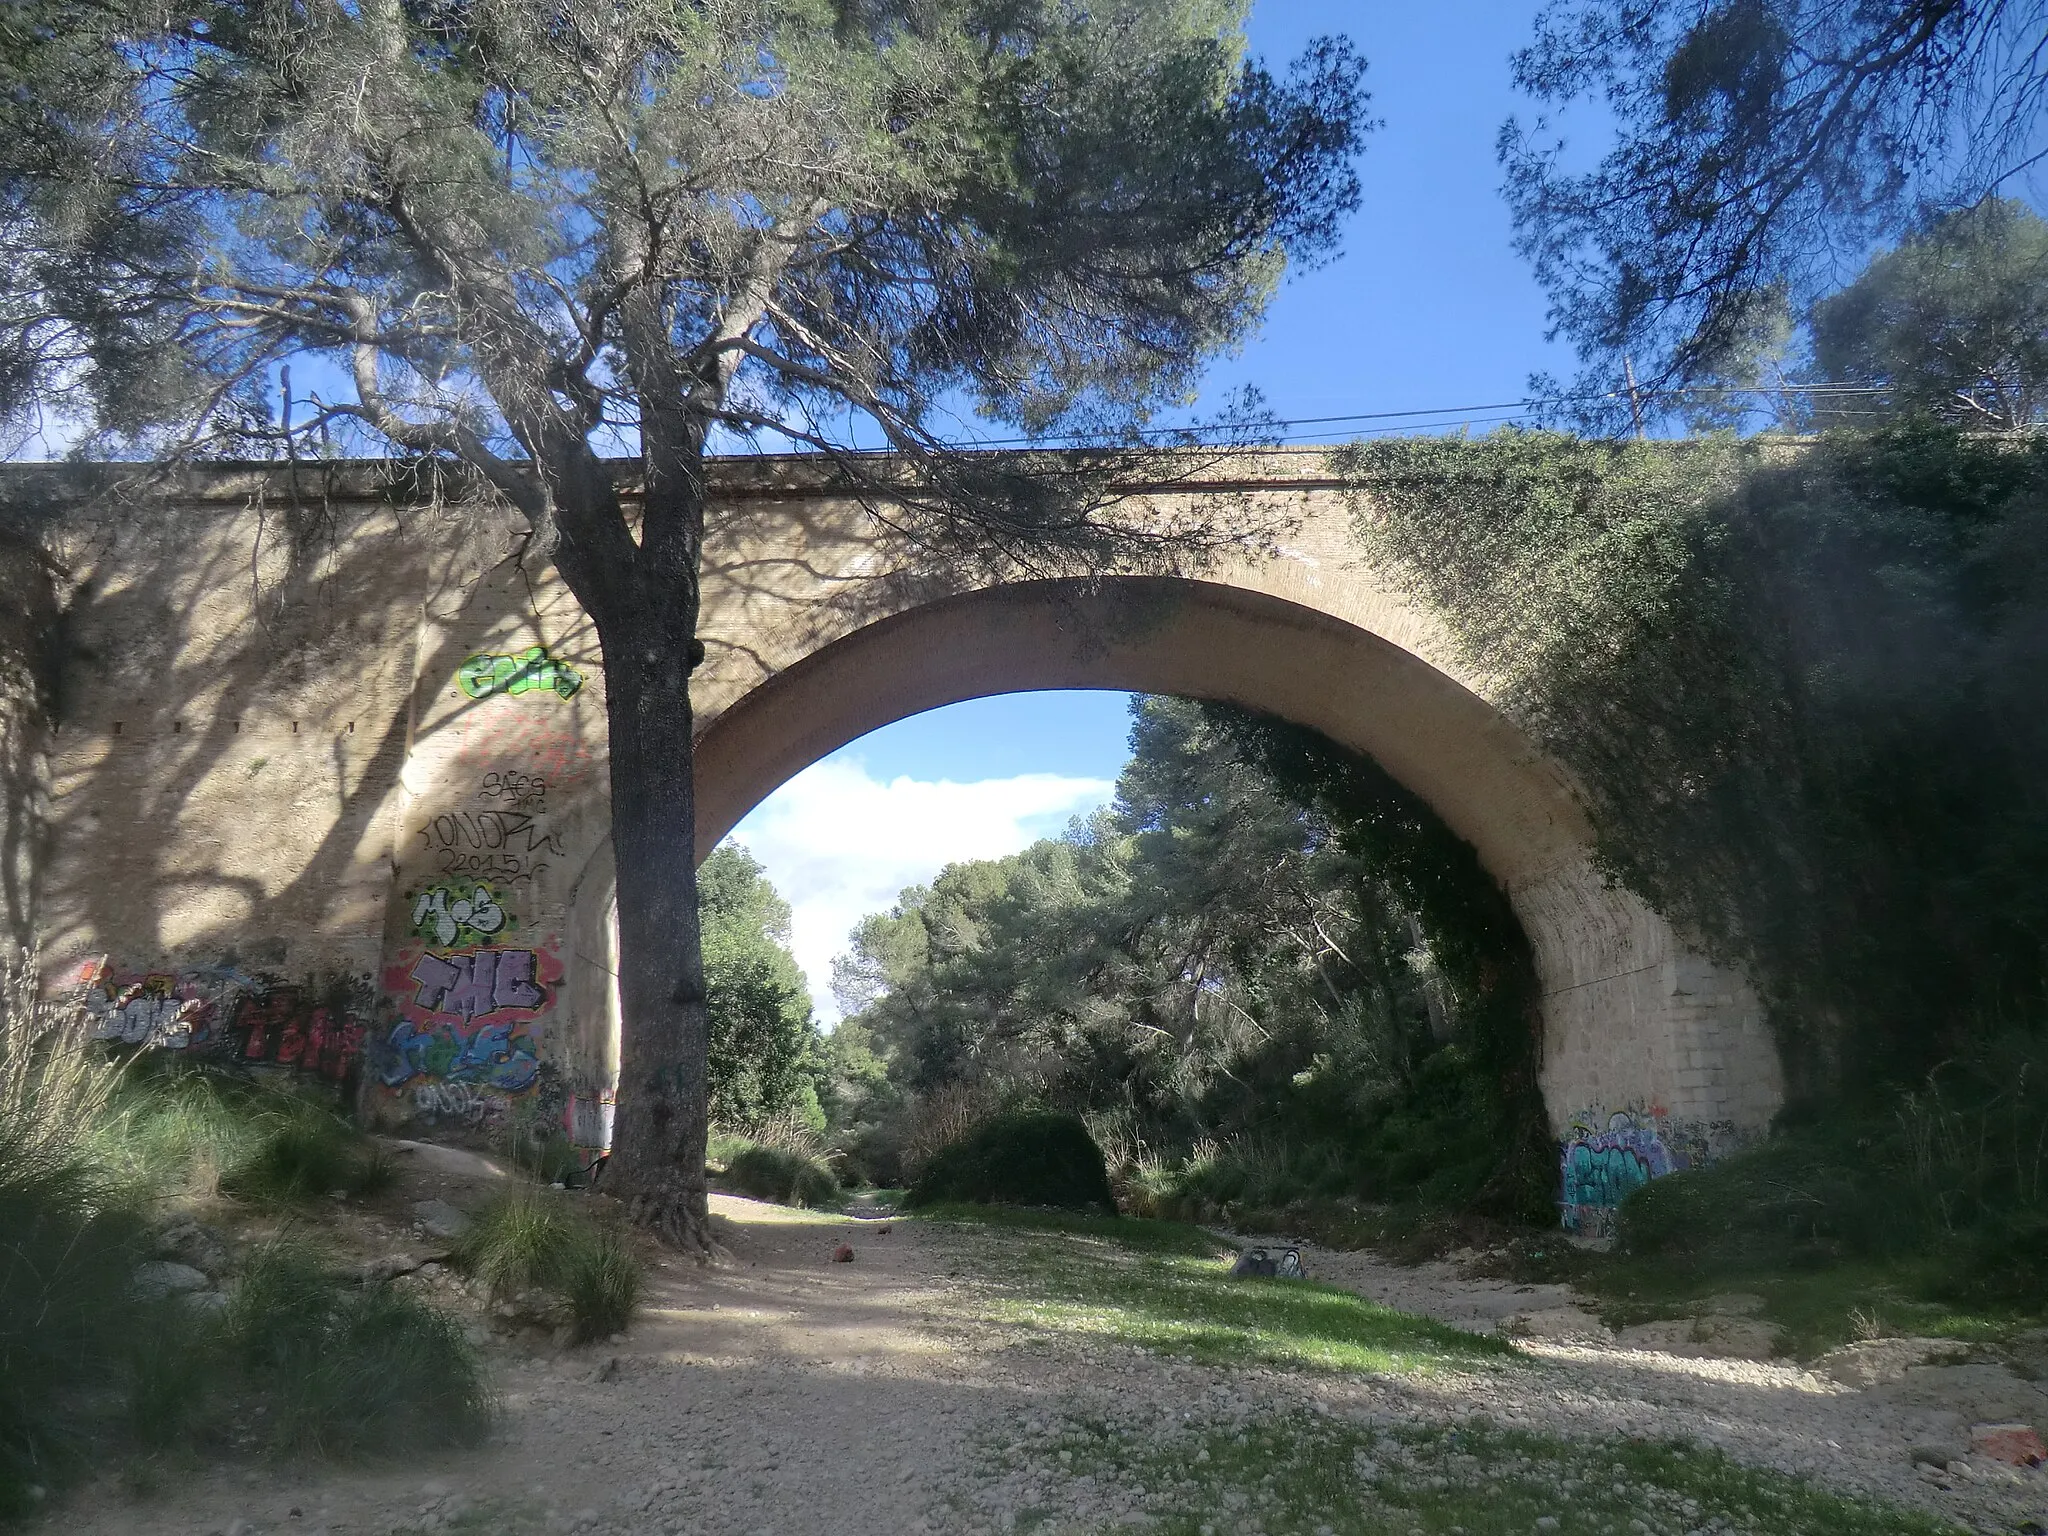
x=472 y=985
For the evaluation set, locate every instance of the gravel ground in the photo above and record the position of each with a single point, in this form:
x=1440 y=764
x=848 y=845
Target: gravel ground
x=779 y=1392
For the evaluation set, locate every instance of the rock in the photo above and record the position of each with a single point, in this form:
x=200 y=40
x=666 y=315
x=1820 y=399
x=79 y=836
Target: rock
x=1736 y=1338
x=188 y=1242
x=440 y=1218
x=1874 y=1362
x=2016 y=1444
x=1733 y=1304
x=209 y=1302
x=1558 y=1323
x=163 y=1277
x=843 y=1254
x=1713 y=1337
x=1938 y=1456
x=389 y=1267
x=2030 y=1353
x=1982 y=1394
x=450 y=1162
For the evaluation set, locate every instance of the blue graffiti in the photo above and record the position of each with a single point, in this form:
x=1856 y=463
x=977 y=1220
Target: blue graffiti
x=494 y=1056
x=1601 y=1169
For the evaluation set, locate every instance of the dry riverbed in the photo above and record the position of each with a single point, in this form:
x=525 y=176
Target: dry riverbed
x=967 y=1378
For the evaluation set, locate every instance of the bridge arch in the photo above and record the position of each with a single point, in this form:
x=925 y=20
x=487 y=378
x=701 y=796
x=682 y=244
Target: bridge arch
x=1645 y=1045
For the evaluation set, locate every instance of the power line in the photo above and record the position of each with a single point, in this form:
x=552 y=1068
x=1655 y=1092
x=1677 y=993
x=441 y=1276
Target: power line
x=1263 y=432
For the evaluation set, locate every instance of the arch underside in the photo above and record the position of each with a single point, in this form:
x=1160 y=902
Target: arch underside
x=1636 y=1027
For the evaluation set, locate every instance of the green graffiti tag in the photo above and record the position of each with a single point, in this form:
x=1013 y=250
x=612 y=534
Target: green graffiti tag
x=485 y=674
x=459 y=914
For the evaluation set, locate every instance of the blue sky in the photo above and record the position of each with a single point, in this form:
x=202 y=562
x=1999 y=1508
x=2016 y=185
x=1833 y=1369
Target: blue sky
x=1428 y=308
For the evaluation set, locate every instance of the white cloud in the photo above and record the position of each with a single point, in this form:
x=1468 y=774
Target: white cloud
x=840 y=844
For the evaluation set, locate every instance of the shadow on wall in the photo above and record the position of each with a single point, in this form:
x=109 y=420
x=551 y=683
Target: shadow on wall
x=30 y=637
x=232 y=713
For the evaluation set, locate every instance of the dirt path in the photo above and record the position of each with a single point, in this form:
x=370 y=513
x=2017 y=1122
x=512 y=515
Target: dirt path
x=784 y=1393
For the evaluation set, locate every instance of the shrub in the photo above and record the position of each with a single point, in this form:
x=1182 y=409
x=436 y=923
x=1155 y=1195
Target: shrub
x=85 y=1148
x=783 y=1175
x=1956 y=1176
x=531 y=1240
x=1030 y=1157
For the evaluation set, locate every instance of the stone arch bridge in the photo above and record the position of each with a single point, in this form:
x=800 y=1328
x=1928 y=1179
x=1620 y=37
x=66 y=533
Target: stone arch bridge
x=323 y=786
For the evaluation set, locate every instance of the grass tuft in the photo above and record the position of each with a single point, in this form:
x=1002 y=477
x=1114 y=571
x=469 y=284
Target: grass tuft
x=518 y=1242
x=351 y=1370
x=531 y=1240
x=601 y=1287
x=201 y=1132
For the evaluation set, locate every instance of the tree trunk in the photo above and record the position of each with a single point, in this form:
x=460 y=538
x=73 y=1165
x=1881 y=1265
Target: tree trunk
x=657 y=1161
x=643 y=601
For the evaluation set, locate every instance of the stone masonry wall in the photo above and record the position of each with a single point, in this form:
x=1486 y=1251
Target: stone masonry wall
x=326 y=790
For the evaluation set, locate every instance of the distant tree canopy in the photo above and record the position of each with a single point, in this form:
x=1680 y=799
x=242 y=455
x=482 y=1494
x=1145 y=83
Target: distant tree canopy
x=1759 y=146
x=1953 y=323
x=1265 y=937
x=765 y=1056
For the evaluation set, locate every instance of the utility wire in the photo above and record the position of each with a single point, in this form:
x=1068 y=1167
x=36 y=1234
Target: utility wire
x=1262 y=432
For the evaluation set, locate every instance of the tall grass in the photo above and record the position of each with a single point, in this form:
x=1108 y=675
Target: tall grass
x=530 y=1240
x=199 y=1132
x=87 y=1152
x=348 y=1370
x=69 y=1242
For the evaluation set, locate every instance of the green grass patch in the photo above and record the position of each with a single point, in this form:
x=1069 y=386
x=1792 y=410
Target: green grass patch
x=1300 y=1474
x=1816 y=1310
x=1165 y=1287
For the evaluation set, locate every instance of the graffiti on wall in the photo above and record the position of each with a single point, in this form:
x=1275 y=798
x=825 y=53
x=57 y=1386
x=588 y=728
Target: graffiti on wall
x=468 y=1016
x=290 y=1027
x=587 y=1119
x=161 y=1008
x=514 y=791
x=458 y=914
x=501 y=845
x=221 y=1009
x=545 y=747
x=530 y=671
x=1607 y=1156
x=461 y=1104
